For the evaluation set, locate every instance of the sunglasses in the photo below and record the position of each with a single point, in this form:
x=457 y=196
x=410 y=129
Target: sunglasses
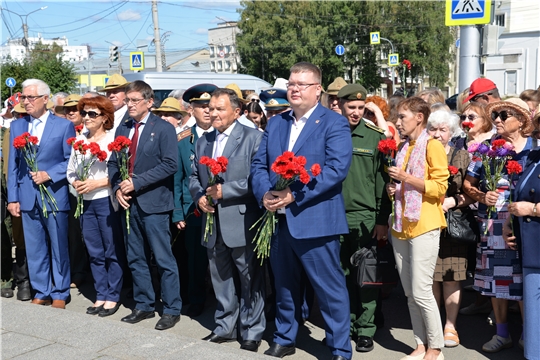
x=255 y=100
x=503 y=115
x=465 y=117
x=91 y=114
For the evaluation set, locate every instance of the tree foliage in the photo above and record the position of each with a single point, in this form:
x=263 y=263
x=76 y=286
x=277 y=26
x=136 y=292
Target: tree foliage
x=44 y=63
x=277 y=34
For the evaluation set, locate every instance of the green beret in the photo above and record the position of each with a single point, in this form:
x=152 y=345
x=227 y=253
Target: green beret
x=352 y=92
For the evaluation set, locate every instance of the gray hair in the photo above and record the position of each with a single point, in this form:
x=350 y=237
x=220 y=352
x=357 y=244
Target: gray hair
x=443 y=117
x=177 y=94
x=41 y=86
x=59 y=95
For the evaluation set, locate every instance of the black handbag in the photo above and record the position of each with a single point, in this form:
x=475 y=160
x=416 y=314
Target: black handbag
x=375 y=266
x=460 y=226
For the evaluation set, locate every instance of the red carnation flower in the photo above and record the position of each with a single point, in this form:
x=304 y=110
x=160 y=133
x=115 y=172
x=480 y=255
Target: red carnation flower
x=71 y=140
x=513 y=167
x=304 y=177
x=467 y=125
x=498 y=143
x=33 y=140
x=387 y=146
x=223 y=162
x=453 y=170
x=315 y=169
x=79 y=128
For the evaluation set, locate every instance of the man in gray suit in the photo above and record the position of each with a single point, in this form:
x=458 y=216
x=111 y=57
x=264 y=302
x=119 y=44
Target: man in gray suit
x=240 y=311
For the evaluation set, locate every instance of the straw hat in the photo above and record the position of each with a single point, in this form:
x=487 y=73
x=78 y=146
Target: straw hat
x=517 y=105
x=19 y=108
x=336 y=85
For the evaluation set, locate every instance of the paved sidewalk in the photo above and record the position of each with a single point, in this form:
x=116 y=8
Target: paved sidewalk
x=41 y=332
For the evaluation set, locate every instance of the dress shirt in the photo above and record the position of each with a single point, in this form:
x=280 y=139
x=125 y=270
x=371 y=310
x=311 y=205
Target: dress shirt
x=141 y=128
x=118 y=116
x=298 y=125
x=201 y=131
x=39 y=132
x=224 y=141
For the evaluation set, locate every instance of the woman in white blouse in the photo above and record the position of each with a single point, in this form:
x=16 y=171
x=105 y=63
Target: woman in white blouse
x=99 y=221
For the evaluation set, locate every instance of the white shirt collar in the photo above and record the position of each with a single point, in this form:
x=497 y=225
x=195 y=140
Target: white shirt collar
x=201 y=131
x=306 y=115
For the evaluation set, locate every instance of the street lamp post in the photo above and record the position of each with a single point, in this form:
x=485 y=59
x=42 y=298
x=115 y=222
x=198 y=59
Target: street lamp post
x=25 y=25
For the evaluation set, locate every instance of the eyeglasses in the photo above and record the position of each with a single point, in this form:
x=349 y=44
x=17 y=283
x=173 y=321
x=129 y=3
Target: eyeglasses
x=470 y=117
x=30 y=98
x=91 y=114
x=256 y=100
x=503 y=115
x=301 y=87
x=133 y=101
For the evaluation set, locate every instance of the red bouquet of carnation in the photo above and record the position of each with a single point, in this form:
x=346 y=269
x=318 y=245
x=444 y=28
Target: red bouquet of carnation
x=512 y=168
x=85 y=156
x=388 y=147
x=120 y=146
x=215 y=167
x=79 y=129
x=289 y=169
x=467 y=126
x=28 y=145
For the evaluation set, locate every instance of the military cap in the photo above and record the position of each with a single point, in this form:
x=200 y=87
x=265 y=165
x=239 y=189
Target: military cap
x=274 y=98
x=199 y=94
x=116 y=81
x=71 y=100
x=170 y=104
x=352 y=92
x=335 y=86
x=238 y=92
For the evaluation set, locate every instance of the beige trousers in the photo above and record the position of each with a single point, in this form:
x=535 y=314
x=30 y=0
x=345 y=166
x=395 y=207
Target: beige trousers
x=415 y=260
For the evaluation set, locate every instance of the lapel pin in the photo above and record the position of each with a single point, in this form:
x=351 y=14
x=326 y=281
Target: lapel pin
x=317 y=121
x=152 y=137
x=191 y=157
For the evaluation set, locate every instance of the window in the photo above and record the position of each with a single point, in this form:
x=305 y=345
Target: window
x=212 y=66
x=511 y=82
x=499 y=20
x=227 y=65
x=212 y=51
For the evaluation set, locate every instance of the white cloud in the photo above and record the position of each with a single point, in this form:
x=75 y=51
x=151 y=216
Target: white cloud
x=129 y=15
x=201 y=31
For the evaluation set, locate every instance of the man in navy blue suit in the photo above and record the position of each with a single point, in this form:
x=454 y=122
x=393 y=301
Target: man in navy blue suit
x=46 y=238
x=311 y=217
x=148 y=193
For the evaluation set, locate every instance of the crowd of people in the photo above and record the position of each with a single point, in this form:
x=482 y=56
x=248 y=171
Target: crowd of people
x=121 y=184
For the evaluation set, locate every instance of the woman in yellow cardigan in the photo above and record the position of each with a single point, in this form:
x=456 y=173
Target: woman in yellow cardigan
x=420 y=182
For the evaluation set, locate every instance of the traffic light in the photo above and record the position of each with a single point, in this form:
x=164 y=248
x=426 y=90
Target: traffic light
x=113 y=53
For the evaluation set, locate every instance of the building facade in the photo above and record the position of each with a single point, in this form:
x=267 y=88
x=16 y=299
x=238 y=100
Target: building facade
x=224 y=57
x=15 y=49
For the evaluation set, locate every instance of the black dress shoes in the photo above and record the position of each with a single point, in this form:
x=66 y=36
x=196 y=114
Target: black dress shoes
x=279 y=351
x=338 y=357
x=108 y=312
x=167 y=321
x=23 y=292
x=216 y=339
x=250 y=345
x=195 y=310
x=94 y=310
x=364 y=344
x=6 y=293
x=138 y=315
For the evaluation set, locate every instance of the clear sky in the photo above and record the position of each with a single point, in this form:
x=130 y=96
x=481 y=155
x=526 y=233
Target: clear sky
x=185 y=23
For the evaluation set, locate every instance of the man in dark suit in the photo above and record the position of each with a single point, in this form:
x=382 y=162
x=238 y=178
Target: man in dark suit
x=312 y=216
x=148 y=193
x=230 y=248
x=46 y=238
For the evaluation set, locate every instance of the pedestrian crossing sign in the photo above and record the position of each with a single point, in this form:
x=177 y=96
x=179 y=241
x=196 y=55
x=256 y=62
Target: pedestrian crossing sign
x=393 y=59
x=375 y=38
x=136 y=60
x=467 y=12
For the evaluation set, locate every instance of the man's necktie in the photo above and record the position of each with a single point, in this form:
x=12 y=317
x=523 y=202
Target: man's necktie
x=219 y=145
x=133 y=148
x=35 y=127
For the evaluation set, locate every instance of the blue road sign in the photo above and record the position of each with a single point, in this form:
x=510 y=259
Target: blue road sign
x=467 y=12
x=10 y=82
x=393 y=59
x=340 y=50
x=375 y=38
x=136 y=60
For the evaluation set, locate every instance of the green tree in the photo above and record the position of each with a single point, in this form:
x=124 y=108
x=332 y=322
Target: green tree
x=276 y=34
x=45 y=63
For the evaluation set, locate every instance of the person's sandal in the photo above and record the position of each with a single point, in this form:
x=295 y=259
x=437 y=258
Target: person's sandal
x=497 y=343
x=451 y=338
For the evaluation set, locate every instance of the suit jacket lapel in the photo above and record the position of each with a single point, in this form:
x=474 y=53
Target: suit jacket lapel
x=147 y=133
x=49 y=125
x=210 y=139
x=233 y=141
x=311 y=124
x=285 y=131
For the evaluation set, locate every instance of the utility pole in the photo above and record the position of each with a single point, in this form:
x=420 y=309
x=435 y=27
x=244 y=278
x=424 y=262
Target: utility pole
x=469 y=55
x=25 y=26
x=157 y=39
